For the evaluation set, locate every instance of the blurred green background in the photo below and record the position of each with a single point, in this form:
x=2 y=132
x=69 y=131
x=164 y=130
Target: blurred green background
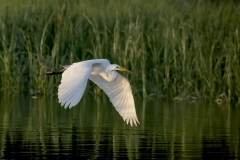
x=186 y=49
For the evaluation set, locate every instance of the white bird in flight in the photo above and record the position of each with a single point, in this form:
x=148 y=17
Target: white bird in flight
x=101 y=72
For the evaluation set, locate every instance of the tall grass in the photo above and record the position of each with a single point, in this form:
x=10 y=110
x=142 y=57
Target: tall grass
x=182 y=49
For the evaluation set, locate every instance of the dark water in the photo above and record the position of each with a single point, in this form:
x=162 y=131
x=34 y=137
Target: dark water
x=41 y=129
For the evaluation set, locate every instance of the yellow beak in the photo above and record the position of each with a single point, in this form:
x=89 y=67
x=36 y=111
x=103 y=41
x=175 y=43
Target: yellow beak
x=124 y=69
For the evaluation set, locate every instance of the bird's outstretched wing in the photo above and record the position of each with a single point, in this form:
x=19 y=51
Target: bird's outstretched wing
x=73 y=84
x=120 y=94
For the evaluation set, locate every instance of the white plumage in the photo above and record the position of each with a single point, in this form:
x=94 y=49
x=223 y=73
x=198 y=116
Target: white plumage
x=102 y=73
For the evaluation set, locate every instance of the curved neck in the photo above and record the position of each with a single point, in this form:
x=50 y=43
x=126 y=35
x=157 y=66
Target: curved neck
x=109 y=75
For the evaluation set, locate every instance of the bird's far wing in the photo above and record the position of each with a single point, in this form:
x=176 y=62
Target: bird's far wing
x=73 y=83
x=120 y=94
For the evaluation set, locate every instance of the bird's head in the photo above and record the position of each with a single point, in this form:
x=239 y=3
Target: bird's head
x=117 y=67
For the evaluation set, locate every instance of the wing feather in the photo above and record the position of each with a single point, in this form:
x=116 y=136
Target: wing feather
x=120 y=94
x=73 y=83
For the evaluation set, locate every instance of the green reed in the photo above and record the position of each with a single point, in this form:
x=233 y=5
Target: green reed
x=180 y=49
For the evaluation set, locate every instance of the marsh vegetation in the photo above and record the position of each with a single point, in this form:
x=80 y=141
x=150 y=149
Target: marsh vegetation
x=182 y=49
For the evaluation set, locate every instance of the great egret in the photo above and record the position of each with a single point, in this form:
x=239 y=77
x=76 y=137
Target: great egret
x=102 y=73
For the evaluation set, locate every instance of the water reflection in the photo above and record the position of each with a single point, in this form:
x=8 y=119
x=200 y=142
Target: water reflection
x=40 y=128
